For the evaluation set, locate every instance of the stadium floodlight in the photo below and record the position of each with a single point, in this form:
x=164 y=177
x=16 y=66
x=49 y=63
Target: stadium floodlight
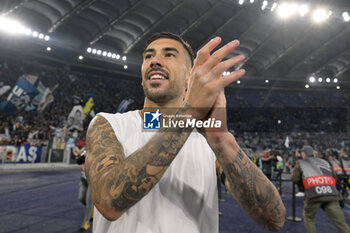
x=328 y=80
x=346 y=16
x=117 y=57
x=48 y=49
x=104 y=53
x=80 y=57
x=238 y=82
x=274 y=5
x=307 y=86
x=312 y=79
x=124 y=58
x=47 y=38
x=335 y=80
x=109 y=54
x=89 y=50
x=264 y=5
x=285 y=10
x=94 y=51
x=28 y=32
x=125 y=67
x=320 y=80
x=252 y=1
x=114 y=55
x=338 y=87
x=10 y=26
x=319 y=15
x=21 y=30
x=303 y=10
x=240 y=2
x=99 y=52
x=279 y=122
x=13 y=27
x=267 y=81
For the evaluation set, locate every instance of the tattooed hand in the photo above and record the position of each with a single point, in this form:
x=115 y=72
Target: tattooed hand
x=205 y=81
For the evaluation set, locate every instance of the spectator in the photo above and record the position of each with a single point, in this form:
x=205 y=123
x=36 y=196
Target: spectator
x=320 y=190
x=84 y=189
x=266 y=163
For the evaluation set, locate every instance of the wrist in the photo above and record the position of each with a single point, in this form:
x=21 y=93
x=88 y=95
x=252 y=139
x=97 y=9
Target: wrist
x=223 y=141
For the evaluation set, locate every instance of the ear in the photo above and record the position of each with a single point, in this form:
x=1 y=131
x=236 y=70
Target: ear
x=187 y=77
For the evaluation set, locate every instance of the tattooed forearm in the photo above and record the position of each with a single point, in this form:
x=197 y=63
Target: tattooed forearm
x=250 y=187
x=117 y=182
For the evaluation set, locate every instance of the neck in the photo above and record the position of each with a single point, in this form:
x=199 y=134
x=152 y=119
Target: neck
x=168 y=108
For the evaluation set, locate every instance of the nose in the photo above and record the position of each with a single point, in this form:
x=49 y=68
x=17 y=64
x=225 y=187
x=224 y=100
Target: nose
x=156 y=61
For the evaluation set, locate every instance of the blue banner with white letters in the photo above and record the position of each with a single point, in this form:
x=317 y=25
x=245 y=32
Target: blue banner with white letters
x=20 y=154
x=20 y=96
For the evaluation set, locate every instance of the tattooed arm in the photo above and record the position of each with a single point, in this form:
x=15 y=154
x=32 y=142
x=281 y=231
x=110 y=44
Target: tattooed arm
x=116 y=182
x=246 y=182
x=249 y=186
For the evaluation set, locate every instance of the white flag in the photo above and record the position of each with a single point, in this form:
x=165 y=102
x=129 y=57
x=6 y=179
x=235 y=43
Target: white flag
x=286 y=143
x=46 y=99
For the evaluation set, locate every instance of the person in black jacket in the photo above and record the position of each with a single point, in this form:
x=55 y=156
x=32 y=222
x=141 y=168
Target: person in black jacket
x=320 y=190
x=267 y=159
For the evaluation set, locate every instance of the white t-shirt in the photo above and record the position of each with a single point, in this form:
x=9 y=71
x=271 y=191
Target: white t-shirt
x=183 y=201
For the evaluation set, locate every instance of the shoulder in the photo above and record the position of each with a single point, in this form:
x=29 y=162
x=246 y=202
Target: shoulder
x=98 y=126
x=114 y=117
x=97 y=121
x=318 y=161
x=121 y=124
x=104 y=117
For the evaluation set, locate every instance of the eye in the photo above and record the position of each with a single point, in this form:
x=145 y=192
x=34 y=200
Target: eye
x=148 y=56
x=170 y=55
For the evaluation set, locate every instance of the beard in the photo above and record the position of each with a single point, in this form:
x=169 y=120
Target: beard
x=160 y=96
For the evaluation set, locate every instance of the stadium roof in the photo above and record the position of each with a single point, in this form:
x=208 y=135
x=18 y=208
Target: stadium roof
x=285 y=51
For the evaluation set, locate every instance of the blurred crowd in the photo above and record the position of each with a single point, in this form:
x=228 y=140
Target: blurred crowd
x=36 y=128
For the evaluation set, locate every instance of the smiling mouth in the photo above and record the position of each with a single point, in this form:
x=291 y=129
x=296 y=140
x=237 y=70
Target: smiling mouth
x=157 y=77
x=157 y=74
